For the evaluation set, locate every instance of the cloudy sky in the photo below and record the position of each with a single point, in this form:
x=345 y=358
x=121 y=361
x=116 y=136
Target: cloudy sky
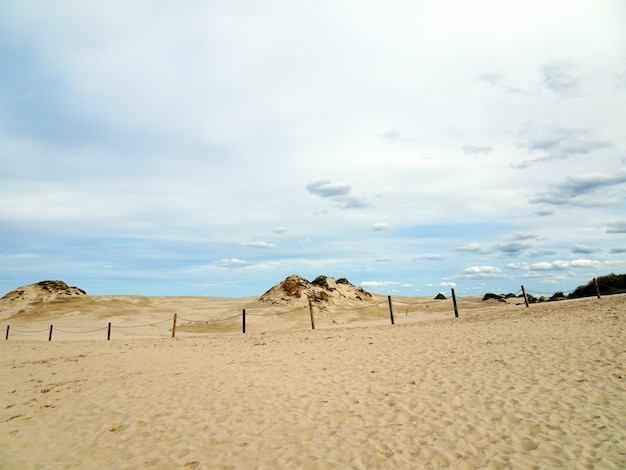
x=214 y=148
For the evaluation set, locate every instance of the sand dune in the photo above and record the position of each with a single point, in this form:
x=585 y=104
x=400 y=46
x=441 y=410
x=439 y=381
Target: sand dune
x=502 y=386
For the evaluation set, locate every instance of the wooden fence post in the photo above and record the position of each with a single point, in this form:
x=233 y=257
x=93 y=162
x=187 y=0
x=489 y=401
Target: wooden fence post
x=174 y=326
x=390 y=309
x=311 y=312
x=525 y=296
x=7 y=336
x=50 y=335
x=456 y=310
x=595 y=283
x=243 y=316
x=109 y=332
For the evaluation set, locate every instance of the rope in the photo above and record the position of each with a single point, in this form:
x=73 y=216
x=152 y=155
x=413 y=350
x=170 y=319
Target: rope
x=30 y=331
x=355 y=309
x=545 y=293
x=469 y=301
x=209 y=321
x=611 y=289
x=139 y=326
x=400 y=302
x=275 y=314
x=79 y=332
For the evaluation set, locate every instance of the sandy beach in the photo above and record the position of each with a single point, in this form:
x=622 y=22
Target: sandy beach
x=502 y=386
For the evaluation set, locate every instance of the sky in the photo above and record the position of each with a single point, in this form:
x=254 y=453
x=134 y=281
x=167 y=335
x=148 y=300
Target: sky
x=215 y=148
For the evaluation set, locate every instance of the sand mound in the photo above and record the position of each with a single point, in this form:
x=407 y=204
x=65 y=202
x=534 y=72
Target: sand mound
x=323 y=290
x=25 y=298
x=43 y=291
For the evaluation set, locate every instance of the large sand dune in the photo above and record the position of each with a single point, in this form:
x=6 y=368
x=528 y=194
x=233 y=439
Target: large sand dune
x=502 y=386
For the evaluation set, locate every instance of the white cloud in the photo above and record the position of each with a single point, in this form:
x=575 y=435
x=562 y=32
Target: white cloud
x=590 y=190
x=378 y=283
x=558 y=143
x=325 y=188
x=260 y=244
x=542 y=265
x=391 y=135
x=514 y=247
x=584 y=249
x=586 y=263
x=338 y=192
x=472 y=248
x=545 y=212
x=523 y=236
x=560 y=265
x=381 y=226
x=520 y=243
x=471 y=149
x=395 y=136
x=431 y=257
x=481 y=272
x=618 y=226
x=561 y=78
x=616 y=263
x=233 y=263
x=523 y=266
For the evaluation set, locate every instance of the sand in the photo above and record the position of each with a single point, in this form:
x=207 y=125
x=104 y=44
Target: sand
x=502 y=386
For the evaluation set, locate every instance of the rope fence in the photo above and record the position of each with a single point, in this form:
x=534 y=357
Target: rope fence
x=142 y=326
x=276 y=313
x=325 y=310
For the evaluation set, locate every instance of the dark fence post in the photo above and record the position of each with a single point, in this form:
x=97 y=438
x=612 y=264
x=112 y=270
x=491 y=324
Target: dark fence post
x=109 y=332
x=7 y=336
x=311 y=312
x=595 y=283
x=243 y=316
x=525 y=296
x=50 y=335
x=174 y=327
x=456 y=310
x=390 y=309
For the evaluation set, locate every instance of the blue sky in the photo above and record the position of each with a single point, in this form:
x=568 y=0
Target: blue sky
x=214 y=148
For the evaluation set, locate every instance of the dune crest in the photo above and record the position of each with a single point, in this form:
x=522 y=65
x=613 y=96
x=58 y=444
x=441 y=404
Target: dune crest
x=323 y=290
x=25 y=298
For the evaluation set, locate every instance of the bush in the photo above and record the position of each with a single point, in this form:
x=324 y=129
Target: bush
x=321 y=281
x=557 y=296
x=489 y=296
x=610 y=284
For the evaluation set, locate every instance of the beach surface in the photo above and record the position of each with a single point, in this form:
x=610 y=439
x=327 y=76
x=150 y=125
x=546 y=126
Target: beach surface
x=501 y=386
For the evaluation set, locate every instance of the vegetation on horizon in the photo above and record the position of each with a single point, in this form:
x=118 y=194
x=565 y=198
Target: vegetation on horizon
x=610 y=284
